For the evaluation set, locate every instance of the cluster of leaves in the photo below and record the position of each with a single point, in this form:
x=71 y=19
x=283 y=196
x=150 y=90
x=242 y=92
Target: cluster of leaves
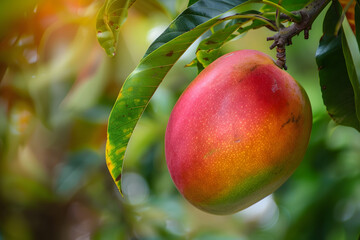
x=338 y=59
x=217 y=22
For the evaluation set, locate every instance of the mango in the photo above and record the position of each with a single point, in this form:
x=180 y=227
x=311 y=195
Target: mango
x=237 y=133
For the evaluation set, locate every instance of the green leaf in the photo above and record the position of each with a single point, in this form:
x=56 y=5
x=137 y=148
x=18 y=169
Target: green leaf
x=159 y=59
x=191 y=2
x=352 y=59
x=193 y=16
x=108 y=22
x=337 y=90
x=209 y=49
x=197 y=64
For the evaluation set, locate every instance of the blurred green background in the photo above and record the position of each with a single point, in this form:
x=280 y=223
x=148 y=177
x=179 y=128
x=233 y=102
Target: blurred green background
x=57 y=87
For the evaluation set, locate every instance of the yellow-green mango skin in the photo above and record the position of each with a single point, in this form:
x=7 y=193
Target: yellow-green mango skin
x=237 y=132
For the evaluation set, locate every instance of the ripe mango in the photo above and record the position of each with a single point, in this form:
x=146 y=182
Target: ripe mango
x=237 y=132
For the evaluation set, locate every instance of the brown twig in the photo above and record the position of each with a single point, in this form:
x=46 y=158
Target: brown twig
x=283 y=37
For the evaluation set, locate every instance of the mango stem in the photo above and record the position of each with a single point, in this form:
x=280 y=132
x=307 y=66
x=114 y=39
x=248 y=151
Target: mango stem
x=284 y=36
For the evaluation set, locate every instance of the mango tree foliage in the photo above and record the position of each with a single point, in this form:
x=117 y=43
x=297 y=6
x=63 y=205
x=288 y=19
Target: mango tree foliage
x=221 y=21
x=338 y=75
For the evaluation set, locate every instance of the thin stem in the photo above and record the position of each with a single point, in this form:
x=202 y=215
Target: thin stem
x=277 y=19
x=295 y=17
x=254 y=16
x=282 y=16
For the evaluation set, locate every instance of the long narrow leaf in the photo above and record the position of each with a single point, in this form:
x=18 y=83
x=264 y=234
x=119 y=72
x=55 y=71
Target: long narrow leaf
x=144 y=80
x=352 y=59
x=198 y=13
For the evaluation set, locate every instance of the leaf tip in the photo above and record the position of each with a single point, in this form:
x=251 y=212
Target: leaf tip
x=111 y=52
x=118 y=184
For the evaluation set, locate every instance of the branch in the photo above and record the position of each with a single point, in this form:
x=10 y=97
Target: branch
x=283 y=37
